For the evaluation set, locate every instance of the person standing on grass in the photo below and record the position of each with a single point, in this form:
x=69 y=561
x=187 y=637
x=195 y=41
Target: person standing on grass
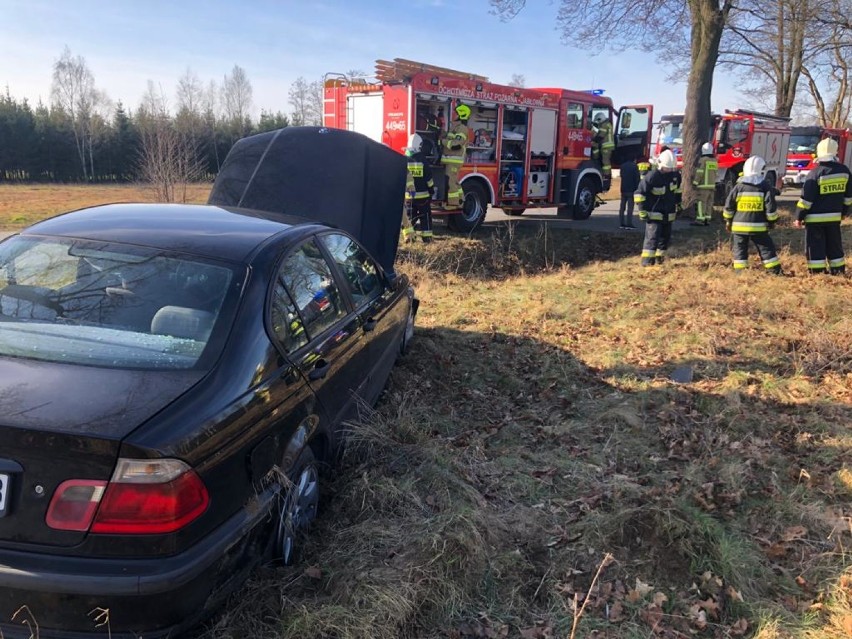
x=658 y=198
x=826 y=197
x=750 y=212
x=629 y=183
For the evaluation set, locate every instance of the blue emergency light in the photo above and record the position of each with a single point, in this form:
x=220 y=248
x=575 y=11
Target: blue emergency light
x=594 y=91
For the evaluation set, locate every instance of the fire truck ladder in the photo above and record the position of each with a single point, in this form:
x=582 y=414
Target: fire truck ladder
x=400 y=70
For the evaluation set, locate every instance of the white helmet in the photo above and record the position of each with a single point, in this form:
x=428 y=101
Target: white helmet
x=754 y=167
x=826 y=150
x=600 y=116
x=707 y=148
x=666 y=160
x=415 y=144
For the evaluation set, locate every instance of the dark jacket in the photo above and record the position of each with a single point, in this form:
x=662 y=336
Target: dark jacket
x=419 y=183
x=750 y=208
x=658 y=196
x=629 y=177
x=826 y=194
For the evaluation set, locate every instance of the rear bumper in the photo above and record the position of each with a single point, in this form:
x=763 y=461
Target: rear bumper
x=152 y=597
x=795 y=177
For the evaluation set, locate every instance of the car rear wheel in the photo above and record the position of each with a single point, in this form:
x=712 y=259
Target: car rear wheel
x=297 y=507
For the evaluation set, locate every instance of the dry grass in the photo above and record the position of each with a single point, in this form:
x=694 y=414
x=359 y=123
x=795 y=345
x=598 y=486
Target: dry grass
x=534 y=429
x=25 y=204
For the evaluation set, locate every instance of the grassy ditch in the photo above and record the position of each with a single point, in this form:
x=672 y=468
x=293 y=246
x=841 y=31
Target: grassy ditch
x=533 y=457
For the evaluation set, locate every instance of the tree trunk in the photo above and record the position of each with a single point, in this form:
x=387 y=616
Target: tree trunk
x=708 y=22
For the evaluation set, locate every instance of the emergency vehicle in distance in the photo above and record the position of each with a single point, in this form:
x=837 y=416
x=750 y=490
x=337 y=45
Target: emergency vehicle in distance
x=801 y=156
x=736 y=136
x=527 y=148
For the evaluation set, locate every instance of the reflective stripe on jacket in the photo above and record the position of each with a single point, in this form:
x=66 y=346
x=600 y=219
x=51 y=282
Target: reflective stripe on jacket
x=751 y=208
x=826 y=192
x=705 y=174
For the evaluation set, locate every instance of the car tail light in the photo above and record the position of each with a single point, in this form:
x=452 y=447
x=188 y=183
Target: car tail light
x=144 y=496
x=74 y=504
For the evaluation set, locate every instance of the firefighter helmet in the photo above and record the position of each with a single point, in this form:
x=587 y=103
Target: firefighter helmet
x=666 y=160
x=600 y=116
x=826 y=150
x=755 y=166
x=707 y=148
x=463 y=111
x=415 y=144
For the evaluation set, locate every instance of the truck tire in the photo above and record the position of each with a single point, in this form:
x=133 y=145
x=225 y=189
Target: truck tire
x=585 y=202
x=474 y=208
x=514 y=212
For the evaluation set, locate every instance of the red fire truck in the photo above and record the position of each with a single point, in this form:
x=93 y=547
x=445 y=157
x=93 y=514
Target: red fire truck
x=802 y=152
x=736 y=136
x=528 y=148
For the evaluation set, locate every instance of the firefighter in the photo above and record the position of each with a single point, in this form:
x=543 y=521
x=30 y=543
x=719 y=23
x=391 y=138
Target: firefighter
x=455 y=145
x=603 y=143
x=826 y=197
x=418 y=193
x=657 y=198
x=750 y=212
x=705 y=182
x=644 y=166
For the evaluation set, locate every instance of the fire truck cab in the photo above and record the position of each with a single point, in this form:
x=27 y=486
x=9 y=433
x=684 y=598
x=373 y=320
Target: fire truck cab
x=736 y=136
x=527 y=148
x=801 y=155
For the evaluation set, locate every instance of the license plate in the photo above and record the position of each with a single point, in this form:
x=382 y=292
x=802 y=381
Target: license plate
x=4 y=493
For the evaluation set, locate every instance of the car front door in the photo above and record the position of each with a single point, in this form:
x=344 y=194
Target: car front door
x=317 y=326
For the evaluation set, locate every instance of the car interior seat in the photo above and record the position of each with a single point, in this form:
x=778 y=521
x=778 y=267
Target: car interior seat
x=180 y=321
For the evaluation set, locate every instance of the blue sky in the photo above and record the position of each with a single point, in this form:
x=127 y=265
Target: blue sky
x=125 y=44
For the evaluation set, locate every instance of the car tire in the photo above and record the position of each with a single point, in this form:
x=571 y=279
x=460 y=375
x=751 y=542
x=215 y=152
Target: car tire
x=407 y=333
x=474 y=208
x=585 y=202
x=297 y=507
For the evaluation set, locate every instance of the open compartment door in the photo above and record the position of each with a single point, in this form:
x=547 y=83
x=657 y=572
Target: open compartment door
x=633 y=133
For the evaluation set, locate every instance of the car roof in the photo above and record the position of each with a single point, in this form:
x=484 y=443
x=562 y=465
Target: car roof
x=212 y=231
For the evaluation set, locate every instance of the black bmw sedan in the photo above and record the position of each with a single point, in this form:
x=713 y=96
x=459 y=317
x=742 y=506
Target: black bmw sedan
x=171 y=377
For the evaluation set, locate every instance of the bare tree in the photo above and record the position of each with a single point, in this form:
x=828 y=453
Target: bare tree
x=73 y=91
x=828 y=74
x=518 y=80
x=305 y=99
x=168 y=160
x=237 y=99
x=645 y=23
x=190 y=93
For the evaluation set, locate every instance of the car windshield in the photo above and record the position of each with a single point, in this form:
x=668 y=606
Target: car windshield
x=803 y=143
x=108 y=305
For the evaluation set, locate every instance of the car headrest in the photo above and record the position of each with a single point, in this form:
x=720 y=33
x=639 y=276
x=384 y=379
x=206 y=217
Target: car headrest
x=180 y=321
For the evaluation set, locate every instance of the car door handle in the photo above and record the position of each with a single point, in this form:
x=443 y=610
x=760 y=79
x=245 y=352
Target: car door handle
x=370 y=325
x=320 y=370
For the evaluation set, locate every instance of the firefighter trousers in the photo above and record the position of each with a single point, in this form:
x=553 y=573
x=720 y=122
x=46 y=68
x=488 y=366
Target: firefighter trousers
x=765 y=247
x=421 y=218
x=824 y=243
x=704 y=205
x=657 y=236
x=455 y=193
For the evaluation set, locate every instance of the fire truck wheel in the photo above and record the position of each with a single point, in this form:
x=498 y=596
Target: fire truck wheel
x=473 y=208
x=514 y=211
x=585 y=203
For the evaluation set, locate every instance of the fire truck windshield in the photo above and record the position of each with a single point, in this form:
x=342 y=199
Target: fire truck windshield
x=803 y=143
x=670 y=132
